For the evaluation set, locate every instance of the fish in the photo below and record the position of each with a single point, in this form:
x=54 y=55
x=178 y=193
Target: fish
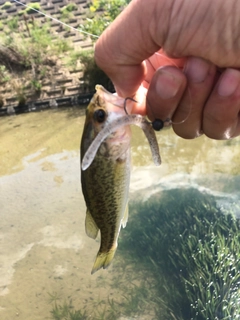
x=105 y=169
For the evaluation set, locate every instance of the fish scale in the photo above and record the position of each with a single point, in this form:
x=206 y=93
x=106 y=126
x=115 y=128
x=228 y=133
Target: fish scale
x=104 y=196
x=105 y=180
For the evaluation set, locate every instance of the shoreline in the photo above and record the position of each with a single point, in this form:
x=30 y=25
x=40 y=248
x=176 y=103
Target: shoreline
x=44 y=104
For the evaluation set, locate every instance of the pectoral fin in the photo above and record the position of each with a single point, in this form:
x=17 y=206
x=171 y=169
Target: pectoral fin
x=90 y=226
x=125 y=217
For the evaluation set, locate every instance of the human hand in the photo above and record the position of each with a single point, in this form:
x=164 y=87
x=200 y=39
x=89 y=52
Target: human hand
x=201 y=99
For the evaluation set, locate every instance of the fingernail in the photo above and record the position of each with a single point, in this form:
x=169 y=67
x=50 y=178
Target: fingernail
x=228 y=82
x=196 y=69
x=167 y=84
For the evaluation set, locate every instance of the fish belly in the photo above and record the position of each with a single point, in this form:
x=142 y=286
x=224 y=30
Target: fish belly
x=105 y=187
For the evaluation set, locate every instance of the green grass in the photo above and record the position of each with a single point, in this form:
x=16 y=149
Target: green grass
x=6 y=5
x=37 y=50
x=92 y=74
x=66 y=11
x=32 y=6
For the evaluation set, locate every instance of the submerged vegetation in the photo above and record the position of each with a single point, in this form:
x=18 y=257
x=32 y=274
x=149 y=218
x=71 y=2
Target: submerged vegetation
x=178 y=258
x=193 y=250
x=67 y=312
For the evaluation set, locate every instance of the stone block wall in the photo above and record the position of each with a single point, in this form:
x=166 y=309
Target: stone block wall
x=63 y=83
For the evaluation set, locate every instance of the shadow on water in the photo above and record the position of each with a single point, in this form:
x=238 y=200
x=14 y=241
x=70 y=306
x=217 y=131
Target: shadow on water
x=178 y=258
x=73 y=112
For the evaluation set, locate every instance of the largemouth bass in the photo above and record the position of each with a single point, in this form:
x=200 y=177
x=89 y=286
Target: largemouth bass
x=105 y=169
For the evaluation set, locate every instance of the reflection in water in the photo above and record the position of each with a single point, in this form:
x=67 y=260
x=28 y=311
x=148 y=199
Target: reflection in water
x=178 y=256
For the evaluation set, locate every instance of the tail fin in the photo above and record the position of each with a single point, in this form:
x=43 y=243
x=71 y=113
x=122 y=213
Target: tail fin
x=103 y=260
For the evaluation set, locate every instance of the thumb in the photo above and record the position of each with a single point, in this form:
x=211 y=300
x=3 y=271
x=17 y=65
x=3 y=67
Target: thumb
x=182 y=28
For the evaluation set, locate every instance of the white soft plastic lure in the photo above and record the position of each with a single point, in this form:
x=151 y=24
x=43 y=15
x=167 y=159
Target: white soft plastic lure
x=135 y=119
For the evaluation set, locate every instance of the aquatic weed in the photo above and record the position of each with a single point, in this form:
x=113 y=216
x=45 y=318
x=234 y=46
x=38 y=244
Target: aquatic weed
x=53 y=297
x=178 y=259
x=66 y=312
x=181 y=239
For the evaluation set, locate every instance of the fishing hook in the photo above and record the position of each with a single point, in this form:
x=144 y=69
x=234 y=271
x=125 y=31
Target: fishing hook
x=125 y=104
x=157 y=124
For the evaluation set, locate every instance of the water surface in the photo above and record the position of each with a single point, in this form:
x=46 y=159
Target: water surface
x=45 y=256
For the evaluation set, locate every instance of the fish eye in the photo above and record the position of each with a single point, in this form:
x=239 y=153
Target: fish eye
x=99 y=115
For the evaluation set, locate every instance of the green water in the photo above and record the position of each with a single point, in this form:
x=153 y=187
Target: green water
x=178 y=257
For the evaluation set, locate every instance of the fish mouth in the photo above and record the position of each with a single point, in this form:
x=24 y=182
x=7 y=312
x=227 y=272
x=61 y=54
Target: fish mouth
x=113 y=101
x=120 y=135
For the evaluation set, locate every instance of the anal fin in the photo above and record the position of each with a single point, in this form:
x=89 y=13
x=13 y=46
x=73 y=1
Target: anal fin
x=90 y=226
